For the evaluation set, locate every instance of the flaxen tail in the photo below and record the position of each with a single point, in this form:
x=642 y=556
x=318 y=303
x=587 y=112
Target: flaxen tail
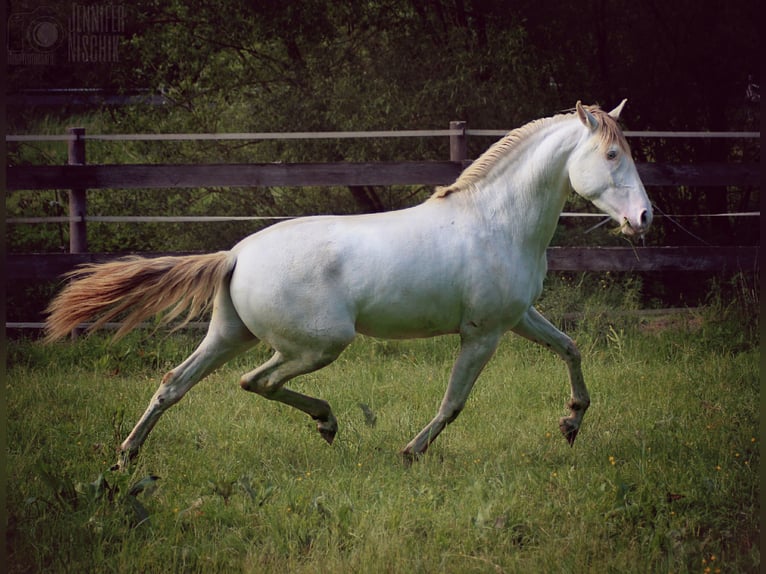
x=136 y=288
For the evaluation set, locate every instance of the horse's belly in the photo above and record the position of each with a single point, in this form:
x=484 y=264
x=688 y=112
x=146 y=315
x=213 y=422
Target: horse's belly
x=407 y=322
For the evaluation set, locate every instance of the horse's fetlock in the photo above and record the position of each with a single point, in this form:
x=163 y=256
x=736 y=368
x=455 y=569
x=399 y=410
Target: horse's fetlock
x=325 y=415
x=577 y=405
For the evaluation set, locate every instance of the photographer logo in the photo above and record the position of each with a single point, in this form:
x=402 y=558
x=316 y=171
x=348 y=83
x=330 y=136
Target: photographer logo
x=34 y=37
x=87 y=34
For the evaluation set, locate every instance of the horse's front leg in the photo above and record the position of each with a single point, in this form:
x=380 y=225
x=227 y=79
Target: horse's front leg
x=475 y=352
x=537 y=328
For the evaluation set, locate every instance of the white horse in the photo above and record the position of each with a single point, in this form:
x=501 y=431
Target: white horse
x=469 y=261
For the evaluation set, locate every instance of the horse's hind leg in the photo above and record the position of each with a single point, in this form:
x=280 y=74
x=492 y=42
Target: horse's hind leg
x=226 y=337
x=537 y=328
x=268 y=381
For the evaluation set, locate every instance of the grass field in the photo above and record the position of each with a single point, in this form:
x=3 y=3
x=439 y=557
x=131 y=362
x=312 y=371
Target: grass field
x=664 y=476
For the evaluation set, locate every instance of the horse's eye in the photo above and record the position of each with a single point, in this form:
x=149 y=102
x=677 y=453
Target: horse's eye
x=611 y=154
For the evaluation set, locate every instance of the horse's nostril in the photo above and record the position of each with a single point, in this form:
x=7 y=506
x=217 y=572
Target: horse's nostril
x=643 y=219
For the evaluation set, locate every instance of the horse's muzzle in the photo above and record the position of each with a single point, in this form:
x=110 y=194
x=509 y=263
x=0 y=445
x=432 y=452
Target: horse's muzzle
x=637 y=226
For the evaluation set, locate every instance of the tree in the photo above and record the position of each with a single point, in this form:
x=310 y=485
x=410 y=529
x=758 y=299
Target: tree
x=387 y=64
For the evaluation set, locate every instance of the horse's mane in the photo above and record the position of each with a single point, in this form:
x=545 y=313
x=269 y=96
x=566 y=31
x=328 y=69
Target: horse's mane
x=609 y=132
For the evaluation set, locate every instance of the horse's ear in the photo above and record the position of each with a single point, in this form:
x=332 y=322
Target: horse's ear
x=587 y=118
x=615 y=113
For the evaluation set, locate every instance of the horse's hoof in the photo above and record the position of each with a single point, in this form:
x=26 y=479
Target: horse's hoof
x=328 y=430
x=124 y=458
x=329 y=436
x=408 y=458
x=123 y=461
x=569 y=430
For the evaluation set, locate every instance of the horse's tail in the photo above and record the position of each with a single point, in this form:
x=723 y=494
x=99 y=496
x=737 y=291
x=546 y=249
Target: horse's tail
x=137 y=288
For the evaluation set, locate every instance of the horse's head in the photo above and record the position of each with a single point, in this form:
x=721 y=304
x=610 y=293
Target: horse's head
x=602 y=171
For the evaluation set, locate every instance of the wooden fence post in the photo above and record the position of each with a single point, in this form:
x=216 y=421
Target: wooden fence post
x=78 y=239
x=458 y=144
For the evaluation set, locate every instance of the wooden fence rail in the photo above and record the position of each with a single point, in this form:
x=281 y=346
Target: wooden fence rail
x=48 y=266
x=326 y=174
x=78 y=176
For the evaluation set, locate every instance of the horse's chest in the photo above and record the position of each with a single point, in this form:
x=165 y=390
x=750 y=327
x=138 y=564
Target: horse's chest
x=505 y=286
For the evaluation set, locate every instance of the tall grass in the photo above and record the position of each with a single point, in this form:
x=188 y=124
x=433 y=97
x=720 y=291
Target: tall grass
x=664 y=476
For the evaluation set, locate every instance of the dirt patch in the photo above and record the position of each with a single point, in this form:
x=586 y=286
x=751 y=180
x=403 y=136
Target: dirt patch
x=659 y=320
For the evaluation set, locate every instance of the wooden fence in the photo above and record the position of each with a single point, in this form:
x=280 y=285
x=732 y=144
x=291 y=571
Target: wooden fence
x=77 y=176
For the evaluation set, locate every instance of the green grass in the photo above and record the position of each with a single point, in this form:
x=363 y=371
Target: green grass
x=664 y=476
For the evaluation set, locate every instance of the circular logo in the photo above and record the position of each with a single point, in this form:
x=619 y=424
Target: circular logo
x=45 y=34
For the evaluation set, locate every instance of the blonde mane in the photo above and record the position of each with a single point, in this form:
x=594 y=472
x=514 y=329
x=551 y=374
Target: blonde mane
x=609 y=131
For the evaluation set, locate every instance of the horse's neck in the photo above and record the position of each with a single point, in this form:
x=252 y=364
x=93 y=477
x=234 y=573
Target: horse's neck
x=526 y=191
